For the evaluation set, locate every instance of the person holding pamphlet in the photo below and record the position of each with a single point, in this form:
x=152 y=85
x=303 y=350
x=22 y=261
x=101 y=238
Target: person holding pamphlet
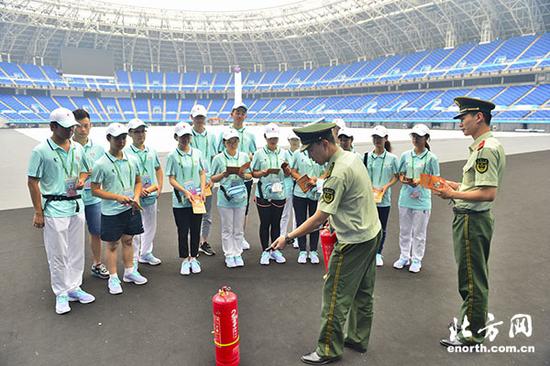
x=415 y=201
x=186 y=173
x=231 y=168
x=473 y=222
x=116 y=180
x=270 y=194
x=383 y=168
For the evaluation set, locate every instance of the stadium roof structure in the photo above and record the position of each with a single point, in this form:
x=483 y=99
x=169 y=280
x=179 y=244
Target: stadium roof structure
x=301 y=34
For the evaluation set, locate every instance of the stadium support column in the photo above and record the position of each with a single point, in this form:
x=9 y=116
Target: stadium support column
x=238 y=85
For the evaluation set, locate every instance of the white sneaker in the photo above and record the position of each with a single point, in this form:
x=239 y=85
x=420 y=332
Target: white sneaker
x=302 y=257
x=278 y=256
x=149 y=259
x=114 y=286
x=239 y=262
x=185 y=269
x=400 y=263
x=62 y=304
x=245 y=245
x=230 y=262
x=295 y=244
x=415 y=266
x=135 y=277
x=379 y=260
x=264 y=259
x=314 y=257
x=195 y=266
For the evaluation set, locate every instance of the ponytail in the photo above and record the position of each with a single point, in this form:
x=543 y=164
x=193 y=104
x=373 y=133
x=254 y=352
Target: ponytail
x=387 y=145
x=427 y=145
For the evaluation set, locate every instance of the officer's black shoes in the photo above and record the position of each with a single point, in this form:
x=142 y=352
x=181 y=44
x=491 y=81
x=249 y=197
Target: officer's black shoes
x=451 y=343
x=314 y=359
x=355 y=346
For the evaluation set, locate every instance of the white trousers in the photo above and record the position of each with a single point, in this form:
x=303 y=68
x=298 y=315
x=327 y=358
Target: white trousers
x=206 y=222
x=143 y=243
x=232 y=220
x=413 y=226
x=288 y=213
x=64 y=243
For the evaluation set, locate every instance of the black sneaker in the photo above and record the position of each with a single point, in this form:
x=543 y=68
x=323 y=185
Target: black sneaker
x=206 y=249
x=100 y=271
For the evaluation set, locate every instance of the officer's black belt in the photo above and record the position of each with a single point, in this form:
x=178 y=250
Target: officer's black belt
x=57 y=197
x=465 y=211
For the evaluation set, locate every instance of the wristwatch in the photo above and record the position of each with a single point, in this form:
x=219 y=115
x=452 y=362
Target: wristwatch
x=288 y=240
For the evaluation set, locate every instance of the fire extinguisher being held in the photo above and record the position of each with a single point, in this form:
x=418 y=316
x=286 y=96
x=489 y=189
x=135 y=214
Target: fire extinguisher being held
x=226 y=327
x=328 y=241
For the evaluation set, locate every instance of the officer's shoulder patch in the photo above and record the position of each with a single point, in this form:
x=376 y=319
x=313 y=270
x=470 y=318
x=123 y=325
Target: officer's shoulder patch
x=328 y=195
x=482 y=165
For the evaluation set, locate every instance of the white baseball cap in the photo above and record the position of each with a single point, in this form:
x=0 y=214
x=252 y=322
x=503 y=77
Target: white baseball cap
x=230 y=133
x=380 y=131
x=198 y=110
x=420 y=130
x=183 y=128
x=239 y=105
x=292 y=135
x=339 y=122
x=345 y=132
x=116 y=129
x=271 y=130
x=64 y=117
x=133 y=124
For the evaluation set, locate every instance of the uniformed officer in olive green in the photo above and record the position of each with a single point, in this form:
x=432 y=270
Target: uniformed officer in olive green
x=348 y=201
x=473 y=220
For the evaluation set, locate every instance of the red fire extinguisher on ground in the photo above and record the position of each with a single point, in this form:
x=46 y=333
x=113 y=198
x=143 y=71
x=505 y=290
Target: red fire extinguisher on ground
x=226 y=327
x=328 y=240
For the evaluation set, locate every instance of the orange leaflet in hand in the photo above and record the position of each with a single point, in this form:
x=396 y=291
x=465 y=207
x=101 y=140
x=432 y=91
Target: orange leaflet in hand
x=304 y=182
x=431 y=181
x=198 y=205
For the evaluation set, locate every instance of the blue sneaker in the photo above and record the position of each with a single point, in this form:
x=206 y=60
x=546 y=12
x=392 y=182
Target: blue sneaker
x=264 y=259
x=230 y=262
x=81 y=296
x=195 y=266
x=114 y=286
x=62 y=304
x=135 y=277
x=278 y=256
x=238 y=261
x=185 y=268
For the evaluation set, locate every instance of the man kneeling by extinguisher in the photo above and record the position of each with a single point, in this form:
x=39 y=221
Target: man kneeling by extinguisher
x=348 y=203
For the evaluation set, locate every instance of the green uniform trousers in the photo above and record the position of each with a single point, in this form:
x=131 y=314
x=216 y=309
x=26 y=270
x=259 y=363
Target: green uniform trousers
x=348 y=288
x=472 y=233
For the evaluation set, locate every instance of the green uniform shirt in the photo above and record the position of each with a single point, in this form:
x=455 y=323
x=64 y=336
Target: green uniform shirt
x=347 y=197
x=484 y=168
x=233 y=183
x=412 y=165
x=187 y=168
x=289 y=181
x=93 y=152
x=116 y=176
x=305 y=165
x=148 y=163
x=267 y=159
x=247 y=141
x=382 y=168
x=54 y=167
x=208 y=146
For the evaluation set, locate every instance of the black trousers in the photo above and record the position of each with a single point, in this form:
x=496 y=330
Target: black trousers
x=270 y=213
x=248 y=185
x=383 y=214
x=303 y=209
x=189 y=225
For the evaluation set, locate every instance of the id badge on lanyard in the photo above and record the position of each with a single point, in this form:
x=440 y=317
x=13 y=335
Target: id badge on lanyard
x=70 y=186
x=415 y=194
x=146 y=181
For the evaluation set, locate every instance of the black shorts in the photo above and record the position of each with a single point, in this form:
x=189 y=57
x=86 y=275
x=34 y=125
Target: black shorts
x=127 y=222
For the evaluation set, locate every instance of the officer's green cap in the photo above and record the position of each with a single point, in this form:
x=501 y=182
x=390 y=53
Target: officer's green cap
x=468 y=105
x=313 y=133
